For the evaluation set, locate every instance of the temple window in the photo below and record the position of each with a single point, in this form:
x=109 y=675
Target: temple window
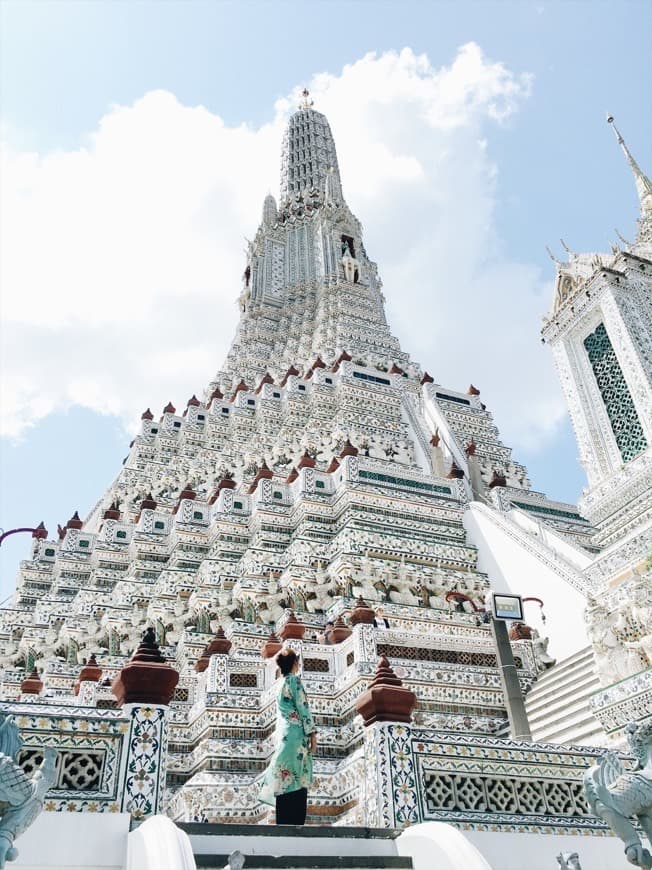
x=615 y=393
x=347 y=241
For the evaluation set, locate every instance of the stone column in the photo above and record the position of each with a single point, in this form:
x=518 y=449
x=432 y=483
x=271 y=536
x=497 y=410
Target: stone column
x=144 y=688
x=389 y=788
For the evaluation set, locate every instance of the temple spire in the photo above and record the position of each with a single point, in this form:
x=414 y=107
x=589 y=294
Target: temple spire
x=308 y=155
x=643 y=183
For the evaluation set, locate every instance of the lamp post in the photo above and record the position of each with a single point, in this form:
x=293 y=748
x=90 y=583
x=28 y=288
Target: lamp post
x=39 y=533
x=509 y=607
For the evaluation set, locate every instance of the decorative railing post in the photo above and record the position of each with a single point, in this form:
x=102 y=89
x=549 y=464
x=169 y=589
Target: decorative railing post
x=144 y=688
x=389 y=786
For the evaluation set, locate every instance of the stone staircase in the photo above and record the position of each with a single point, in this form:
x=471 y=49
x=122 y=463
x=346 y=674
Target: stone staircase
x=286 y=847
x=558 y=705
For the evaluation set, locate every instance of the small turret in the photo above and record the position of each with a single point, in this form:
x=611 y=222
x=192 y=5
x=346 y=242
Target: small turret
x=270 y=211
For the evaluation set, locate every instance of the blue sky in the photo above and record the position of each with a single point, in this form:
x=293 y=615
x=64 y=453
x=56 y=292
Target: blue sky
x=558 y=172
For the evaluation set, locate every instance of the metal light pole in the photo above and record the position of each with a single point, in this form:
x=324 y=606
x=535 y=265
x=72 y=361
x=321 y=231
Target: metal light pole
x=40 y=533
x=518 y=723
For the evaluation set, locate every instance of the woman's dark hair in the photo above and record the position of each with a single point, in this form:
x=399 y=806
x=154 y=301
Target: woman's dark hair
x=285 y=660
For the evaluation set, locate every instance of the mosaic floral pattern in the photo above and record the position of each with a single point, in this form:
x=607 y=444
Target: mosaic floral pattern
x=145 y=768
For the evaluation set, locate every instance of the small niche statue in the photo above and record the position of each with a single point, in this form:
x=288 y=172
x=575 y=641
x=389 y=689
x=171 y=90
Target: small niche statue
x=615 y=794
x=21 y=798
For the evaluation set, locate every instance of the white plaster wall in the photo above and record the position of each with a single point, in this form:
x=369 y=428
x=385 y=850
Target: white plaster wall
x=74 y=841
x=511 y=851
x=512 y=568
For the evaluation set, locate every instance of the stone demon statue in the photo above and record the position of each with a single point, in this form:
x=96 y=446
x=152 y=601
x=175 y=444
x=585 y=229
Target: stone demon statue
x=615 y=794
x=21 y=798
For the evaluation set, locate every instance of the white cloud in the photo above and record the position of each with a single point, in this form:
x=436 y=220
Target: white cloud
x=121 y=261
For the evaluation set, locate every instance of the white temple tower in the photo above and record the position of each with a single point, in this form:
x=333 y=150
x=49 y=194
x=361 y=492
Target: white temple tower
x=600 y=333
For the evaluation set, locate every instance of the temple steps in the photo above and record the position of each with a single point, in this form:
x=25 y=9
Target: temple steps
x=307 y=862
x=289 y=847
x=558 y=705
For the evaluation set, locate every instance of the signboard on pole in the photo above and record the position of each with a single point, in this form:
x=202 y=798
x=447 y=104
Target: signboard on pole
x=506 y=606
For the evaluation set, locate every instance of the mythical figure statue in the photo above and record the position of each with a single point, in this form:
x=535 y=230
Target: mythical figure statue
x=542 y=657
x=569 y=861
x=350 y=265
x=613 y=661
x=21 y=798
x=614 y=794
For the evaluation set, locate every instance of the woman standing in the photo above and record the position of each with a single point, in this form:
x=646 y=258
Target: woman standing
x=290 y=771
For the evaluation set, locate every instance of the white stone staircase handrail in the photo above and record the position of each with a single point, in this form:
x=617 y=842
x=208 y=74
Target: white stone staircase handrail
x=531 y=544
x=158 y=844
x=440 y=845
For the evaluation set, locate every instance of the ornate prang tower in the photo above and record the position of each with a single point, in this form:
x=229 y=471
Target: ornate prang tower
x=308 y=279
x=600 y=333
x=322 y=466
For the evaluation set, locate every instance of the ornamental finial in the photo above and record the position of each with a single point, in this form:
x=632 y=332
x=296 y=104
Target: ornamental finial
x=567 y=249
x=553 y=258
x=306 y=102
x=643 y=183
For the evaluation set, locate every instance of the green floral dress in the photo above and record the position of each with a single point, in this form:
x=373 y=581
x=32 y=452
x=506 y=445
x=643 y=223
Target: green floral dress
x=291 y=766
